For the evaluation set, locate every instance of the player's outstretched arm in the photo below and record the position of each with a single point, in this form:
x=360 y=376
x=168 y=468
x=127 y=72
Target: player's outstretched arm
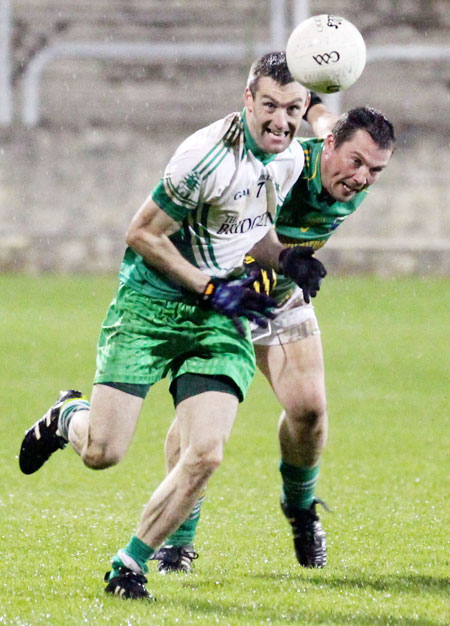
x=320 y=118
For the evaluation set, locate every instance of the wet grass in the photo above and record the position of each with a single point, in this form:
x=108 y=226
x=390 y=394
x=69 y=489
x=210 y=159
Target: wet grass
x=384 y=474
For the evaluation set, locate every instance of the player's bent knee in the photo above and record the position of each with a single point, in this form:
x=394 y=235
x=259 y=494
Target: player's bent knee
x=203 y=462
x=311 y=419
x=100 y=457
x=208 y=462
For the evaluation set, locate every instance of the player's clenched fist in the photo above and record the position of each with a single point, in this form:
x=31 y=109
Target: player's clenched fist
x=300 y=265
x=236 y=299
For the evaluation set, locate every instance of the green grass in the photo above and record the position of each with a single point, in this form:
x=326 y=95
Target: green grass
x=385 y=474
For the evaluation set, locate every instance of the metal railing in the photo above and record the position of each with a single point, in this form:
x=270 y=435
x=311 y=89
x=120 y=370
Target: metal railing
x=155 y=52
x=395 y=52
x=172 y=51
x=147 y=51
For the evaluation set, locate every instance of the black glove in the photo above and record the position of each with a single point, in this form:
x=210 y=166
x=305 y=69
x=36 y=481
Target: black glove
x=299 y=264
x=235 y=298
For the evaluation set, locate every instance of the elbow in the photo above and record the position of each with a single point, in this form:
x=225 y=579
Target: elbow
x=144 y=243
x=133 y=238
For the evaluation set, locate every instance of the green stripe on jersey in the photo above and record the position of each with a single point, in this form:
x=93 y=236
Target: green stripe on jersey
x=182 y=199
x=165 y=202
x=207 y=236
x=171 y=197
x=225 y=142
x=195 y=227
x=215 y=164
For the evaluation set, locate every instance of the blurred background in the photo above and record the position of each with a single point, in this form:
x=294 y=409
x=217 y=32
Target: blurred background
x=95 y=96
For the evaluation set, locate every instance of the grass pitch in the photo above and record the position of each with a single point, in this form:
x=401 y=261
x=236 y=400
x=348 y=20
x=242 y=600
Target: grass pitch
x=385 y=474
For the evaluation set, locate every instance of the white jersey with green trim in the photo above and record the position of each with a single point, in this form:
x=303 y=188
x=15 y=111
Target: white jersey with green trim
x=224 y=192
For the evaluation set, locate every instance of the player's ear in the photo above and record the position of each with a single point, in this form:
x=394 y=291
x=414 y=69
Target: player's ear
x=328 y=145
x=330 y=141
x=248 y=99
x=307 y=101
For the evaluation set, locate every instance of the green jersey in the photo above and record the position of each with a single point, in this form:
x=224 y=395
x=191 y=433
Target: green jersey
x=309 y=215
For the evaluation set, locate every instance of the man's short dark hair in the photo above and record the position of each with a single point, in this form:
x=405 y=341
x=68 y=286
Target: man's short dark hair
x=364 y=118
x=274 y=66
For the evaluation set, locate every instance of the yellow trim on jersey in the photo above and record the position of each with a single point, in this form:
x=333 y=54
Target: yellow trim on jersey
x=316 y=169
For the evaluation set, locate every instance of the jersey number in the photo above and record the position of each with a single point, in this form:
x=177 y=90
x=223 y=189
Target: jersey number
x=260 y=186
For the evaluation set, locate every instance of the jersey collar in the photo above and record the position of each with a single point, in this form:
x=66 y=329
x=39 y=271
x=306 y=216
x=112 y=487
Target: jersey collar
x=251 y=145
x=316 y=179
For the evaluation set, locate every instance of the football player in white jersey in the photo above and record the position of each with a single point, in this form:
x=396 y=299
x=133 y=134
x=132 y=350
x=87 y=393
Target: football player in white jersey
x=183 y=307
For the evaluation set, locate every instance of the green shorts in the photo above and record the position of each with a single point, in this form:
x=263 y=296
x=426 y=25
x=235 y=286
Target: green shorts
x=144 y=340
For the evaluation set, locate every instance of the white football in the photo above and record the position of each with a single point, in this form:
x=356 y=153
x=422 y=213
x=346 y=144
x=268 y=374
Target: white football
x=326 y=53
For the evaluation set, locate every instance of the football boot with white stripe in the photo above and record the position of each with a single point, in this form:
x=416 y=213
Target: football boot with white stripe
x=43 y=438
x=309 y=537
x=175 y=559
x=127 y=585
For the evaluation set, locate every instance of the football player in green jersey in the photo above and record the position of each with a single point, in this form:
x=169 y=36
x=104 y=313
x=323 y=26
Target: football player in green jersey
x=337 y=173
x=183 y=307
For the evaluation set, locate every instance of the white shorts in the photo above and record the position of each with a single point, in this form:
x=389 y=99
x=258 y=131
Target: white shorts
x=294 y=320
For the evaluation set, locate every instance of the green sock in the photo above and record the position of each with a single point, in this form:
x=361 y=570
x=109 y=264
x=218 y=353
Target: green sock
x=68 y=410
x=185 y=534
x=138 y=551
x=298 y=485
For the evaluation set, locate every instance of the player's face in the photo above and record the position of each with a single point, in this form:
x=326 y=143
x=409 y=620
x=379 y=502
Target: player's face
x=353 y=166
x=274 y=114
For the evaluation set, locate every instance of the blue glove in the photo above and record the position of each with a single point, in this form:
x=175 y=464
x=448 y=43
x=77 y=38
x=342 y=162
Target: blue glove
x=236 y=299
x=299 y=264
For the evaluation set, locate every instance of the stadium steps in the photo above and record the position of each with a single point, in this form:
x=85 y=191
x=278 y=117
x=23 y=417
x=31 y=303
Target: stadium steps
x=133 y=90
